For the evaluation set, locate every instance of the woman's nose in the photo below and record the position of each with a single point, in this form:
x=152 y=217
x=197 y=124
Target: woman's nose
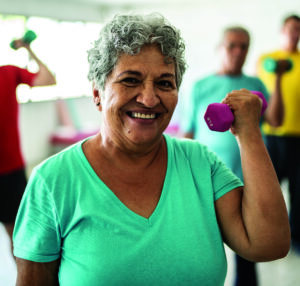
x=148 y=95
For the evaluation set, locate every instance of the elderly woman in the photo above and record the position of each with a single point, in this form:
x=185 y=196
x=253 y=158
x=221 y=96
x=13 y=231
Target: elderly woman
x=132 y=206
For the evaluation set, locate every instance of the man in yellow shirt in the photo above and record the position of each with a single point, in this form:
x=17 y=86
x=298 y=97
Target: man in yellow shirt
x=283 y=142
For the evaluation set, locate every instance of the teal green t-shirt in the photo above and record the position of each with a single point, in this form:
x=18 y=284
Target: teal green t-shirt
x=214 y=89
x=68 y=213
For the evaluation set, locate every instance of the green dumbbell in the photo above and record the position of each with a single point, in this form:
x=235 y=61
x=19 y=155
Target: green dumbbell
x=271 y=65
x=28 y=37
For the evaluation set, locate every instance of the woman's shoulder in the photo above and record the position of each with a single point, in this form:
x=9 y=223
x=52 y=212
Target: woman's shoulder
x=190 y=148
x=61 y=160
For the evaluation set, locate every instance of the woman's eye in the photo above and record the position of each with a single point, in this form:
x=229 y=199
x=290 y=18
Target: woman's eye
x=130 y=81
x=165 y=84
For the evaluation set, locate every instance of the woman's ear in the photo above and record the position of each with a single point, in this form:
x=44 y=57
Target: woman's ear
x=97 y=98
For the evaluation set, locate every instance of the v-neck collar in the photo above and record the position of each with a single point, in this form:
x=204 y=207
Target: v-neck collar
x=135 y=216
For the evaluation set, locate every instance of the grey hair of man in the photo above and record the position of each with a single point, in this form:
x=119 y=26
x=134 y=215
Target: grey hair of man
x=235 y=29
x=127 y=34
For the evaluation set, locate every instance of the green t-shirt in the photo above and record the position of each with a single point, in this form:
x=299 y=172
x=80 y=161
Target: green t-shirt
x=214 y=89
x=67 y=212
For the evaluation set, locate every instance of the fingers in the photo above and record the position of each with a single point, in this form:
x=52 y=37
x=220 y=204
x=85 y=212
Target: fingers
x=246 y=108
x=240 y=99
x=19 y=43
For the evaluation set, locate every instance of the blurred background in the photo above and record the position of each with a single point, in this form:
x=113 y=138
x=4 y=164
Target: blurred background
x=50 y=116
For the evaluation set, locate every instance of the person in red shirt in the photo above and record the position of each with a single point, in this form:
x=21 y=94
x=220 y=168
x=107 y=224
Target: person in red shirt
x=12 y=166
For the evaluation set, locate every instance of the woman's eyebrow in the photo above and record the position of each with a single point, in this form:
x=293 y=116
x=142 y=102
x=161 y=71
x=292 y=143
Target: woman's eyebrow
x=167 y=75
x=137 y=73
x=129 y=72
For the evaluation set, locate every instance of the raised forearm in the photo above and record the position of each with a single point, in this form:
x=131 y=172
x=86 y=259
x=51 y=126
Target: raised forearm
x=275 y=111
x=263 y=207
x=44 y=77
x=253 y=220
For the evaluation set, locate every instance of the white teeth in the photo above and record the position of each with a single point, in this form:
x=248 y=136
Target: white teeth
x=142 y=115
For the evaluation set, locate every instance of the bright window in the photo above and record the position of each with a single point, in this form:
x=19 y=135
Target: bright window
x=61 y=45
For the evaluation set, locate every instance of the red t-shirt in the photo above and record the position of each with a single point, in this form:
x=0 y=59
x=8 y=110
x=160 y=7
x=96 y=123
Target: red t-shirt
x=10 y=147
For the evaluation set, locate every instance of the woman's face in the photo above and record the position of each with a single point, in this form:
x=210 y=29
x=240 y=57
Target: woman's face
x=139 y=98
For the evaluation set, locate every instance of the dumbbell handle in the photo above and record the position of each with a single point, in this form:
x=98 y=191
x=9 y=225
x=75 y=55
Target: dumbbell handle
x=219 y=117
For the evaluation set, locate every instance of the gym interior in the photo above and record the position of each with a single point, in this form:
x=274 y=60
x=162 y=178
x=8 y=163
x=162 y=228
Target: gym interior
x=52 y=118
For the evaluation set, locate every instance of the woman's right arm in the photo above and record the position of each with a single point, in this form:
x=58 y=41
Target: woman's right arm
x=36 y=273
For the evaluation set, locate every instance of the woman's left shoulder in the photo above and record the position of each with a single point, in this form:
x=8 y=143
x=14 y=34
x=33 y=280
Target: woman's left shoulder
x=187 y=147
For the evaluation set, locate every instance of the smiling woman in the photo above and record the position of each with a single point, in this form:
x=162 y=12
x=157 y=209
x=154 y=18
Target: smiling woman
x=149 y=96
x=132 y=206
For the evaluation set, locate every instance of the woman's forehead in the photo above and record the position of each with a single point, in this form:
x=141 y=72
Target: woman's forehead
x=150 y=58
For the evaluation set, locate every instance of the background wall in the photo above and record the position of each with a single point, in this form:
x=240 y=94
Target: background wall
x=201 y=23
x=39 y=121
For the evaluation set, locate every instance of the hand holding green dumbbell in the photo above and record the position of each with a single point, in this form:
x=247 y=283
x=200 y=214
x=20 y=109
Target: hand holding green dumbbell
x=277 y=66
x=28 y=37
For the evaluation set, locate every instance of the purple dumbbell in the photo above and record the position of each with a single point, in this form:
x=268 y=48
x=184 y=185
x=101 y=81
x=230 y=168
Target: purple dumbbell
x=219 y=117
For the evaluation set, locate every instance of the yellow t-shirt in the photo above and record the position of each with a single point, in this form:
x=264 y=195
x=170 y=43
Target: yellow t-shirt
x=290 y=93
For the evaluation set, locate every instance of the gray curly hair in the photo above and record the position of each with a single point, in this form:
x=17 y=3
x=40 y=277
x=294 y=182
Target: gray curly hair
x=127 y=34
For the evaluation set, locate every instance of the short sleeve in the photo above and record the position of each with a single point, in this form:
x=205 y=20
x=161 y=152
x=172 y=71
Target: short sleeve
x=37 y=233
x=223 y=179
x=26 y=77
x=209 y=172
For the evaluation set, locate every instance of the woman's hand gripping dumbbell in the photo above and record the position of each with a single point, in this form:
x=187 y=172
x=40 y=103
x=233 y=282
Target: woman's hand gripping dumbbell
x=219 y=116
